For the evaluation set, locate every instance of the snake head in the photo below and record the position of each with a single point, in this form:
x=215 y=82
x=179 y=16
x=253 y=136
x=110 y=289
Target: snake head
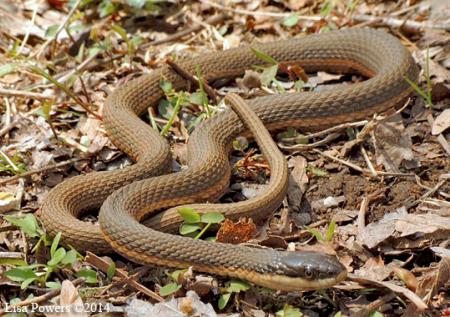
x=309 y=270
x=311 y=265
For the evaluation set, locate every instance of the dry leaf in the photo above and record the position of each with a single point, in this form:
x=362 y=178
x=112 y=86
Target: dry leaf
x=393 y=145
x=235 y=233
x=407 y=277
x=441 y=123
x=298 y=181
x=171 y=308
x=402 y=224
x=71 y=302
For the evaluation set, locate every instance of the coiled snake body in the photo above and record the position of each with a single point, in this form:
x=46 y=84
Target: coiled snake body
x=136 y=193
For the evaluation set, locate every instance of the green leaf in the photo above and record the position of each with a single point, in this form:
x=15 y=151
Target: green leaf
x=165 y=108
x=263 y=56
x=317 y=171
x=223 y=300
x=236 y=286
x=137 y=4
x=70 y=258
x=166 y=85
x=316 y=233
x=51 y=31
x=15 y=262
x=57 y=257
x=20 y=274
x=187 y=228
x=106 y=7
x=240 y=143
x=175 y=275
x=338 y=314
x=27 y=282
x=89 y=275
x=55 y=244
x=44 y=110
x=330 y=231
x=189 y=215
x=212 y=217
x=268 y=75
x=7 y=68
x=291 y=20
x=375 y=314
x=169 y=289
x=121 y=31
x=289 y=311
x=53 y=285
x=27 y=224
x=111 y=271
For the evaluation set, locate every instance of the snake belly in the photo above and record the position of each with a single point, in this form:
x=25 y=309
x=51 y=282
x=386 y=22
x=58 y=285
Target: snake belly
x=138 y=194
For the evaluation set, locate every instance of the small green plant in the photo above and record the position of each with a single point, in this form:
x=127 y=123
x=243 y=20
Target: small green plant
x=289 y=311
x=196 y=224
x=12 y=165
x=320 y=172
x=232 y=287
x=291 y=20
x=426 y=95
x=131 y=43
x=319 y=236
x=170 y=106
x=174 y=286
x=269 y=73
x=39 y=273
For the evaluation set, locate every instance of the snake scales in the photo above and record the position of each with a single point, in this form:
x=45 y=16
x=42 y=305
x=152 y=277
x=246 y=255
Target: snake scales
x=136 y=193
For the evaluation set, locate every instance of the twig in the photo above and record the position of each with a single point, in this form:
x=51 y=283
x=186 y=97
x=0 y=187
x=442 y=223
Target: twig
x=362 y=170
x=22 y=93
x=327 y=131
x=368 y=162
x=42 y=298
x=27 y=35
x=60 y=28
x=40 y=170
x=211 y=21
x=370 y=308
x=261 y=13
x=420 y=304
x=351 y=165
x=103 y=266
x=298 y=147
x=393 y=22
x=193 y=79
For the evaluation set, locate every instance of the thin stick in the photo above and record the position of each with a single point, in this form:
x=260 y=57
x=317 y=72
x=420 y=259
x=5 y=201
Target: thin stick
x=368 y=162
x=370 y=308
x=326 y=131
x=193 y=79
x=60 y=28
x=27 y=35
x=210 y=21
x=42 y=298
x=40 y=170
x=351 y=165
x=103 y=266
x=297 y=147
x=393 y=22
x=25 y=94
x=261 y=13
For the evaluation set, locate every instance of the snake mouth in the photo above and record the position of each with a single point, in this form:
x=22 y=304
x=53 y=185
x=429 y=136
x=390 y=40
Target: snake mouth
x=286 y=283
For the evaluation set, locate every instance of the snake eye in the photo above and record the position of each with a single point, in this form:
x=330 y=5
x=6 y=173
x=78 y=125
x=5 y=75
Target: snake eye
x=309 y=273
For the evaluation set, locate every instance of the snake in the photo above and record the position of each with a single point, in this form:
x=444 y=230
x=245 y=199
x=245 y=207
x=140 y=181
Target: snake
x=139 y=204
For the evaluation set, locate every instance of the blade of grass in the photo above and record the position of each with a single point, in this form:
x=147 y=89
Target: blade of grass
x=64 y=88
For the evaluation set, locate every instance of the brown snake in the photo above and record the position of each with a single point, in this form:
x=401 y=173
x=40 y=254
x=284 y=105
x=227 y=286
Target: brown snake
x=138 y=193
